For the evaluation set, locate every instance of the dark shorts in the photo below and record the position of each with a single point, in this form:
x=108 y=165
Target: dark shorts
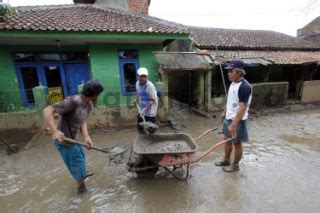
x=74 y=159
x=139 y=120
x=242 y=130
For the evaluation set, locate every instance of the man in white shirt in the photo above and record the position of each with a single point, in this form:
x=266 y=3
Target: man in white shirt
x=235 y=115
x=146 y=98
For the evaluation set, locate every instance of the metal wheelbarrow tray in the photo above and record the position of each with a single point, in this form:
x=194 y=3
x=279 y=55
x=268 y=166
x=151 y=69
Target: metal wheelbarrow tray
x=170 y=151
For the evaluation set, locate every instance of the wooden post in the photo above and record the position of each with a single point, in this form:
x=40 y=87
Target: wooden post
x=201 y=89
x=266 y=78
x=207 y=87
x=165 y=97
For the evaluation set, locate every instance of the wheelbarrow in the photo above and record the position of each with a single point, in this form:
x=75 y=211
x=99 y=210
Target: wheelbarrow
x=169 y=151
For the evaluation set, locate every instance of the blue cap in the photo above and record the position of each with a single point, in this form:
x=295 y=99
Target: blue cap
x=234 y=64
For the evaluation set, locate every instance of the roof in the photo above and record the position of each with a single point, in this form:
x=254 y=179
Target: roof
x=171 y=61
x=311 y=27
x=315 y=38
x=211 y=38
x=276 y=57
x=84 y=17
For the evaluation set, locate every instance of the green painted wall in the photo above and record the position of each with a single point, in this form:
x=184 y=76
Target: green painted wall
x=105 y=67
x=10 y=97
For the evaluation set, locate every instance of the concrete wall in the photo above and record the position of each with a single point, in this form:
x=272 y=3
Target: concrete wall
x=269 y=94
x=310 y=91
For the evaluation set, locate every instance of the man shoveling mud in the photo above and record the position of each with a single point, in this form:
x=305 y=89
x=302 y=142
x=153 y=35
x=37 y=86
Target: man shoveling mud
x=235 y=115
x=73 y=113
x=147 y=100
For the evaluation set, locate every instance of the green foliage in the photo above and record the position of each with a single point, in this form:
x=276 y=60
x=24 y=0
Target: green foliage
x=5 y=10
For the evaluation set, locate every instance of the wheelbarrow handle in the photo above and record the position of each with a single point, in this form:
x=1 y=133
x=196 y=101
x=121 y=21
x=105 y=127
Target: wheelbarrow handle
x=83 y=144
x=198 y=158
x=205 y=133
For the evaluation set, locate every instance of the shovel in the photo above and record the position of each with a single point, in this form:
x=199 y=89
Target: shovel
x=10 y=148
x=107 y=150
x=147 y=126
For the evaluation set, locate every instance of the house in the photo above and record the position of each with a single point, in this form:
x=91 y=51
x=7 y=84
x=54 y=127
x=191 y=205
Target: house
x=63 y=46
x=311 y=32
x=269 y=57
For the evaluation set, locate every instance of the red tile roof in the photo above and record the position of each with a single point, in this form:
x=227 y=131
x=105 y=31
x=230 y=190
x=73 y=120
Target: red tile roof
x=82 y=17
x=276 y=57
x=233 y=39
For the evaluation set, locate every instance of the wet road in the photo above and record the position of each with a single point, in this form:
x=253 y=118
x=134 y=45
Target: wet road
x=280 y=172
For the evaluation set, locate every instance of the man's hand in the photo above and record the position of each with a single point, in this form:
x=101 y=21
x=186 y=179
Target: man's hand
x=89 y=143
x=57 y=135
x=222 y=116
x=233 y=130
x=143 y=112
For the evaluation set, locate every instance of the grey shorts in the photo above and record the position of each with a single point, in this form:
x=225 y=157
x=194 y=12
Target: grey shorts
x=242 y=130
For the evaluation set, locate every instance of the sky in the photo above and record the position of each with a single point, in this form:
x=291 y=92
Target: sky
x=284 y=16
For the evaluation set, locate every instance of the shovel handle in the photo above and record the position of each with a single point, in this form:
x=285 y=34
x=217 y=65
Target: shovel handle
x=83 y=144
x=139 y=110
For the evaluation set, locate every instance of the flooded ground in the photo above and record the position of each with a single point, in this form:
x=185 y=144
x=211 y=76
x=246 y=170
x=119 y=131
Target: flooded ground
x=280 y=172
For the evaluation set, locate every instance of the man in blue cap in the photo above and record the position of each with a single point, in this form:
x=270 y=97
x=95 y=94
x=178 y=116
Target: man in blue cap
x=235 y=115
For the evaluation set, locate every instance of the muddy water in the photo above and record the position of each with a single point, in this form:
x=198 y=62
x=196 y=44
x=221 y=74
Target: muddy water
x=280 y=172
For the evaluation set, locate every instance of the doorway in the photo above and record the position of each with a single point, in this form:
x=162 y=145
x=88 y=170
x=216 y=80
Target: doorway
x=28 y=78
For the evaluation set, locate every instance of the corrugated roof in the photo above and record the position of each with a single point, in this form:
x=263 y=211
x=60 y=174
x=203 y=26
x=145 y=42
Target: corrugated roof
x=84 y=17
x=183 y=61
x=256 y=61
x=234 y=39
x=276 y=57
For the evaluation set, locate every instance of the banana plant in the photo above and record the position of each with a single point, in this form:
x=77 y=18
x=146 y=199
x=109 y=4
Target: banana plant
x=5 y=10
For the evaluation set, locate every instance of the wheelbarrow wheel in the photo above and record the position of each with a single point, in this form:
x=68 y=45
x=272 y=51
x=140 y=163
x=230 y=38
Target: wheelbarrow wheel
x=178 y=176
x=150 y=173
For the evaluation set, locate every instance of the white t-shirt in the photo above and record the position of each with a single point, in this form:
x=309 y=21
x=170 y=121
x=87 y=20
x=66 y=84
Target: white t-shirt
x=147 y=92
x=238 y=92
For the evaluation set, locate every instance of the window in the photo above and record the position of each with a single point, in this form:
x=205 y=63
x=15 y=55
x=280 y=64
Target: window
x=128 y=54
x=49 y=57
x=129 y=64
x=25 y=57
x=74 y=56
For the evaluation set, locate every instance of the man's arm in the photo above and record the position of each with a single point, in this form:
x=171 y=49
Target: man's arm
x=61 y=108
x=49 y=121
x=238 y=118
x=85 y=134
x=223 y=114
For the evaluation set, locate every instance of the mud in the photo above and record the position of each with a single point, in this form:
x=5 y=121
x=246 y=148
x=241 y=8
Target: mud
x=19 y=137
x=280 y=172
x=165 y=143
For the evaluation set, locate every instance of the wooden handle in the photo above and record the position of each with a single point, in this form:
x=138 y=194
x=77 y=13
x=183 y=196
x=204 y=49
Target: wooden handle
x=139 y=110
x=83 y=144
